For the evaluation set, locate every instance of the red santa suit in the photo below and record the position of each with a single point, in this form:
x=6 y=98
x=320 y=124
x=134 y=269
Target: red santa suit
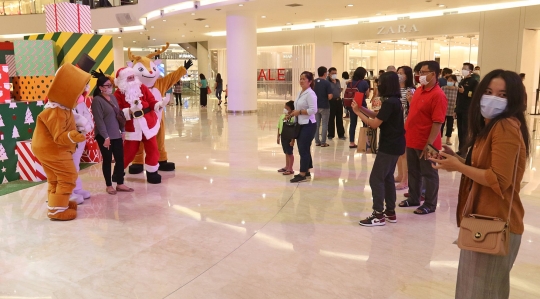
x=141 y=111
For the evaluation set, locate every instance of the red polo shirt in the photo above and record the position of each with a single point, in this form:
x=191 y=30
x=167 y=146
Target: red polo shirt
x=428 y=106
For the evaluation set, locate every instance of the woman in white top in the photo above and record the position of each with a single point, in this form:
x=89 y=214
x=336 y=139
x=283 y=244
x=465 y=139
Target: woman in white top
x=305 y=107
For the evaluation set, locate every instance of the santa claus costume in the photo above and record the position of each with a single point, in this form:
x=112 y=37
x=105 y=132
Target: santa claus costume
x=142 y=113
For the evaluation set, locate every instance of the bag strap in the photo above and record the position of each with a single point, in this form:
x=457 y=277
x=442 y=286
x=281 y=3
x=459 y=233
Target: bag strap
x=355 y=85
x=469 y=198
x=109 y=102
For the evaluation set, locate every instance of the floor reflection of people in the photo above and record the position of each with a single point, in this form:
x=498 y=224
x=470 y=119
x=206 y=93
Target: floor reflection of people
x=219 y=121
x=179 y=121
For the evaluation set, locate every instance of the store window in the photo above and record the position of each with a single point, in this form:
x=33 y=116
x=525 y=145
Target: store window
x=274 y=72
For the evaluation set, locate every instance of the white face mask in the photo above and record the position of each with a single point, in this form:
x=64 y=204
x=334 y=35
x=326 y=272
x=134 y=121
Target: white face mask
x=492 y=106
x=107 y=91
x=465 y=73
x=285 y=111
x=450 y=83
x=334 y=77
x=402 y=78
x=423 y=80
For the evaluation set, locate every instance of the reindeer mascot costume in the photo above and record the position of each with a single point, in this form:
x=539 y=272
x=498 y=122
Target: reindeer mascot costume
x=55 y=138
x=149 y=75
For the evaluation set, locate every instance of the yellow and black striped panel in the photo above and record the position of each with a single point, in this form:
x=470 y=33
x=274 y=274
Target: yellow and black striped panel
x=69 y=47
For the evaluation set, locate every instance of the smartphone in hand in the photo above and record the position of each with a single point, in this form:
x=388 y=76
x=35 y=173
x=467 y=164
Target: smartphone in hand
x=433 y=152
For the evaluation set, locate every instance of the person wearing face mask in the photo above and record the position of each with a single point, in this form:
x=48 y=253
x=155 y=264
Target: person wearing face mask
x=450 y=90
x=423 y=128
x=336 y=107
x=109 y=134
x=491 y=176
x=407 y=89
x=444 y=76
x=466 y=90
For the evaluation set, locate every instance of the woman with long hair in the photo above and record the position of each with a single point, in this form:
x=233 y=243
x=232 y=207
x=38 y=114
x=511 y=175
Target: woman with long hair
x=407 y=89
x=109 y=135
x=218 y=86
x=498 y=148
x=363 y=87
x=391 y=146
x=203 y=88
x=305 y=108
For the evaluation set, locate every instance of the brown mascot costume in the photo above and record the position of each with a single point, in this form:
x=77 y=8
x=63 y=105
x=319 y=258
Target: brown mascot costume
x=55 y=137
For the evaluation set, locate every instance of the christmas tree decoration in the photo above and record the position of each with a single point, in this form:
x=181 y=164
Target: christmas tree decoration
x=15 y=134
x=4 y=169
x=4 y=180
x=3 y=155
x=13 y=105
x=28 y=119
x=1 y=121
x=39 y=103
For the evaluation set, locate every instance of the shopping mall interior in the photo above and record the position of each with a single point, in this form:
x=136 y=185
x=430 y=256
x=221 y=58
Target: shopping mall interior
x=225 y=223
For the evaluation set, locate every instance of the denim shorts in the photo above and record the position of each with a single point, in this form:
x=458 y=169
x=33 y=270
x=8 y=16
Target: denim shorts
x=286 y=145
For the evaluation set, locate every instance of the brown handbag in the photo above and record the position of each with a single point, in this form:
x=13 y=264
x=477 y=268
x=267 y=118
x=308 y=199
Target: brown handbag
x=486 y=234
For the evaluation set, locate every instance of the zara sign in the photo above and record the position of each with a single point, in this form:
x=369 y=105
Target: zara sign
x=396 y=29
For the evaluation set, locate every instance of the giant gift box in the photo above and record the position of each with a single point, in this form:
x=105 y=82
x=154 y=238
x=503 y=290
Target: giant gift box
x=4 y=83
x=68 y=17
x=35 y=58
x=70 y=46
x=31 y=88
x=28 y=165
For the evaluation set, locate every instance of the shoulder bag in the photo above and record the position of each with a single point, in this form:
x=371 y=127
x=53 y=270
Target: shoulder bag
x=290 y=129
x=486 y=234
x=120 y=117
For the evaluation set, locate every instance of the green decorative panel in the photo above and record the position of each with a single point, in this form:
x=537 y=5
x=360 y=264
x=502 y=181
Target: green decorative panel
x=35 y=58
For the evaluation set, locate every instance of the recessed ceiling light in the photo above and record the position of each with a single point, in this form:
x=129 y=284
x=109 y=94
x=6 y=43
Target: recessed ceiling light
x=288 y=24
x=151 y=26
x=264 y=17
x=441 y=5
x=164 y=20
x=134 y=41
x=119 y=37
x=206 y=26
x=140 y=32
x=378 y=14
x=350 y=5
x=183 y=35
x=153 y=39
x=240 y=4
x=327 y=19
x=192 y=13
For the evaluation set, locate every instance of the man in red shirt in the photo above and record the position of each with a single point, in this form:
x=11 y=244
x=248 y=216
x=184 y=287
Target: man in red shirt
x=427 y=112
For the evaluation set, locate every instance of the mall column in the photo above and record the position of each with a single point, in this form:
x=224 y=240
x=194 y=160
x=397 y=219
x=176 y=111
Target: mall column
x=242 y=61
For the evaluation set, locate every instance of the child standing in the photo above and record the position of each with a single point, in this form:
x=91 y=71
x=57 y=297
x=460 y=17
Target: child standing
x=287 y=145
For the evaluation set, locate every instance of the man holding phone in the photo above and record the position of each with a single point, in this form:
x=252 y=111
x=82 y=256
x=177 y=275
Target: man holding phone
x=423 y=128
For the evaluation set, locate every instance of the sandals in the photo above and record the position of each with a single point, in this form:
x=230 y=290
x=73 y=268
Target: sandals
x=401 y=187
x=282 y=170
x=423 y=211
x=288 y=172
x=448 y=143
x=111 y=192
x=406 y=204
x=325 y=145
x=124 y=190
x=317 y=144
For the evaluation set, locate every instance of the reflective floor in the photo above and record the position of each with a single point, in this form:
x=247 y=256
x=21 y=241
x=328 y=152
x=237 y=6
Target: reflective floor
x=227 y=225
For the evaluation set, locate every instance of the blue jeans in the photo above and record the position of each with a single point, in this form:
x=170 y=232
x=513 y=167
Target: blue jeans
x=307 y=133
x=322 y=117
x=352 y=124
x=218 y=93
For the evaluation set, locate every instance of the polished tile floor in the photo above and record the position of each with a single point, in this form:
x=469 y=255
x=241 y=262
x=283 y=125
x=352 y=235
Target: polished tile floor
x=227 y=225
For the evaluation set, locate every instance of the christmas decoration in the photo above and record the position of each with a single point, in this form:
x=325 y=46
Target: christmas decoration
x=1 y=121
x=39 y=103
x=68 y=17
x=4 y=169
x=3 y=155
x=4 y=180
x=28 y=119
x=15 y=134
x=91 y=153
x=28 y=165
x=13 y=105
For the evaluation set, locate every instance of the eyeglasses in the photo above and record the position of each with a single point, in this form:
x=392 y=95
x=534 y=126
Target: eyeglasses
x=107 y=85
x=425 y=72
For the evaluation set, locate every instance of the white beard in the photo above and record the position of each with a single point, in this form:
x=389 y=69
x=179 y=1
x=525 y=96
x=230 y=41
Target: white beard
x=132 y=90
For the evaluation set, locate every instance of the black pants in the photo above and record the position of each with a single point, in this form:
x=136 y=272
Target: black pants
x=117 y=149
x=462 y=128
x=336 y=119
x=178 y=97
x=305 y=138
x=218 y=94
x=204 y=96
x=421 y=172
x=381 y=181
x=449 y=126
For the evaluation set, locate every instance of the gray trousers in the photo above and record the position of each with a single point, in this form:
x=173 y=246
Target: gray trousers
x=322 y=116
x=381 y=181
x=421 y=169
x=483 y=275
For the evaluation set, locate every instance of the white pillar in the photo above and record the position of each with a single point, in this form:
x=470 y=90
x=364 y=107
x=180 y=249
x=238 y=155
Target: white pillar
x=203 y=59
x=118 y=52
x=323 y=47
x=242 y=61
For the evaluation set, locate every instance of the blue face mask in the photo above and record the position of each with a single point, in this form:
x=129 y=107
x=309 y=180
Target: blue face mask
x=450 y=83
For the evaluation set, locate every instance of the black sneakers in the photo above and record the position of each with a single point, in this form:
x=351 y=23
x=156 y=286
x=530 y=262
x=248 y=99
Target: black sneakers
x=299 y=178
x=376 y=219
x=390 y=216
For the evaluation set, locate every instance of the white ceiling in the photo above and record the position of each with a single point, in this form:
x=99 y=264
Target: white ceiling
x=182 y=27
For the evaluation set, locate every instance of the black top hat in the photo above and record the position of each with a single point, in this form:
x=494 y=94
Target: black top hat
x=85 y=63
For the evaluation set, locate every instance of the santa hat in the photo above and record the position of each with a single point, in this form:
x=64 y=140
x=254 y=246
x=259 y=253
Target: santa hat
x=122 y=74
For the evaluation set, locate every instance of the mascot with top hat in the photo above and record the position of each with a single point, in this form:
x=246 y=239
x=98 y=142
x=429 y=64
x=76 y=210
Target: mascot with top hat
x=148 y=73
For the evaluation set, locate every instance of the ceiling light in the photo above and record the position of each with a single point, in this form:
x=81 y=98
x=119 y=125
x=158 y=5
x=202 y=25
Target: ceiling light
x=183 y=35
x=378 y=14
x=164 y=20
x=119 y=37
x=264 y=17
x=153 y=39
x=288 y=24
x=152 y=27
x=441 y=5
x=192 y=13
x=206 y=26
x=327 y=19
x=134 y=41
x=350 y=5
x=240 y=4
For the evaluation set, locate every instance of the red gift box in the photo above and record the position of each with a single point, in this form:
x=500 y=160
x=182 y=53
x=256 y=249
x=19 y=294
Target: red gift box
x=68 y=17
x=91 y=153
x=28 y=166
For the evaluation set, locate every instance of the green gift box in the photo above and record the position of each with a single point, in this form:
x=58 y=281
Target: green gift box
x=35 y=58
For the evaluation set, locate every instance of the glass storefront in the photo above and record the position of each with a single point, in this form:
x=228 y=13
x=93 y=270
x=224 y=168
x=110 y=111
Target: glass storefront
x=25 y=7
x=450 y=52
x=274 y=72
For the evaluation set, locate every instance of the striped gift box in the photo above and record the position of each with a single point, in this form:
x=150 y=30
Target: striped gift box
x=10 y=61
x=35 y=58
x=28 y=165
x=68 y=17
x=69 y=47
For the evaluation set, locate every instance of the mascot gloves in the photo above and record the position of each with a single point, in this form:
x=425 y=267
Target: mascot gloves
x=188 y=64
x=83 y=125
x=136 y=106
x=158 y=106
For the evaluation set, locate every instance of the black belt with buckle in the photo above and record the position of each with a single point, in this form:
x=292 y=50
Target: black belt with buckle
x=140 y=113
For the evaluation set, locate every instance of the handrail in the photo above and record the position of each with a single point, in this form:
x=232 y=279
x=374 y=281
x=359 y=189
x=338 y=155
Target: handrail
x=29 y=7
